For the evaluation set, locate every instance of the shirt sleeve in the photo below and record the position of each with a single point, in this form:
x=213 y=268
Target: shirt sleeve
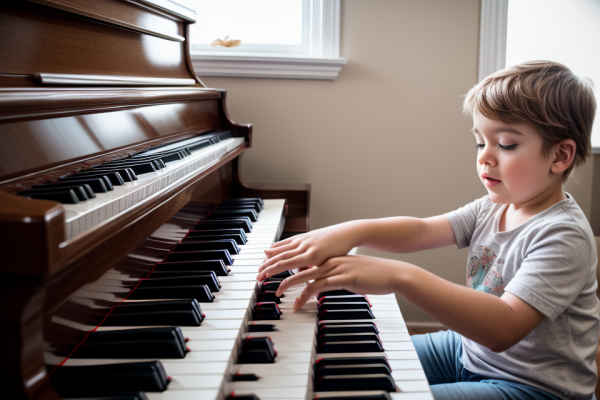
x=554 y=270
x=464 y=221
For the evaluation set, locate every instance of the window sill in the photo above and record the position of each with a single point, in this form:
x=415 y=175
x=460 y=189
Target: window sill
x=267 y=66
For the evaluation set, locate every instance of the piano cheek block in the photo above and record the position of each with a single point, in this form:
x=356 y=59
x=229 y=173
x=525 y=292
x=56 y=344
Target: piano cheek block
x=88 y=381
x=201 y=293
x=355 y=382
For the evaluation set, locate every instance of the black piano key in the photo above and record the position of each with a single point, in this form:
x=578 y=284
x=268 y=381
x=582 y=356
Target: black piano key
x=201 y=293
x=341 y=299
x=95 y=380
x=271 y=286
x=65 y=196
x=379 y=396
x=155 y=306
x=114 y=177
x=241 y=200
x=116 y=396
x=208 y=278
x=257 y=351
x=322 y=362
x=269 y=296
x=355 y=382
x=216 y=266
x=282 y=275
x=126 y=173
x=227 y=244
x=239 y=239
x=358 y=346
x=242 y=397
x=134 y=343
x=155 y=160
x=226 y=214
x=344 y=306
x=201 y=255
x=334 y=293
x=244 y=377
x=158 y=318
x=104 y=178
x=336 y=315
x=348 y=328
x=98 y=185
x=209 y=232
x=256 y=207
x=266 y=311
x=353 y=370
x=261 y=328
x=344 y=337
x=79 y=191
x=137 y=167
x=160 y=313
x=238 y=223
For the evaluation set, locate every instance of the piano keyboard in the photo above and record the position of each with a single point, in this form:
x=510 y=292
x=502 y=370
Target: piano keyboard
x=176 y=163
x=209 y=369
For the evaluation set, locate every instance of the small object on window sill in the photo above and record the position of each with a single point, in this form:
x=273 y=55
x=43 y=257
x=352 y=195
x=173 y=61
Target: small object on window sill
x=226 y=42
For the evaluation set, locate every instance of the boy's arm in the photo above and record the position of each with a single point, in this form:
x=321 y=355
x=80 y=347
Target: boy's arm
x=394 y=235
x=497 y=323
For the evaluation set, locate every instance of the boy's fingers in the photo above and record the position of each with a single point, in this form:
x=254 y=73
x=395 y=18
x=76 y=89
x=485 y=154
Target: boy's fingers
x=335 y=282
x=282 y=243
x=279 y=257
x=298 y=278
x=276 y=251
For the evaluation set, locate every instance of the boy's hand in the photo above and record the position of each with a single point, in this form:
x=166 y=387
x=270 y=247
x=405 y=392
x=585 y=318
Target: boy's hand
x=312 y=248
x=358 y=274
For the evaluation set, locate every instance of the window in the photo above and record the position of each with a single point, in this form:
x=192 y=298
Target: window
x=279 y=39
x=554 y=30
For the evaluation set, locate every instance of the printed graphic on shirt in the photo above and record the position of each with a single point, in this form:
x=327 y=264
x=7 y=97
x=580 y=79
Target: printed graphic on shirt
x=484 y=271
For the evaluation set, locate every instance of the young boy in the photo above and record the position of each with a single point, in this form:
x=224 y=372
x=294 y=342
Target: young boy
x=526 y=326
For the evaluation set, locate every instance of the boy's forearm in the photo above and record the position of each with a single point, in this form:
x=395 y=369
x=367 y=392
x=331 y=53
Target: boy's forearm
x=394 y=235
x=479 y=316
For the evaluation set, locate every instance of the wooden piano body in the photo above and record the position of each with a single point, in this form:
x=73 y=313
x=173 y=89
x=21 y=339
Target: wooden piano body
x=83 y=82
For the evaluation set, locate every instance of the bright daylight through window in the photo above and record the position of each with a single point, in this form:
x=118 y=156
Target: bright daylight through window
x=563 y=31
x=296 y=39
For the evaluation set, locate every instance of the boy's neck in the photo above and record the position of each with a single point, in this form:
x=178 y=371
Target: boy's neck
x=516 y=214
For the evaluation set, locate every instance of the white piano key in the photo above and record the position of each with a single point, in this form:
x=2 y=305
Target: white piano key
x=409 y=375
x=219 y=304
x=288 y=393
x=184 y=395
x=275 y=369
x=212 y=345
x=273 y=382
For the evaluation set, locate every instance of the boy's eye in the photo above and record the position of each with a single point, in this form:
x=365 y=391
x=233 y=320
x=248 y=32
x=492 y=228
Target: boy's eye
x=508 y=148
x=479 y=146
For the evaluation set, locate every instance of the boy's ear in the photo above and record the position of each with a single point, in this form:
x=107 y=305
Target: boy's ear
x=564 y=154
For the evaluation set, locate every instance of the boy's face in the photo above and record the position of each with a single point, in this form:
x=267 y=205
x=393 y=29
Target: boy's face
x=510 y=162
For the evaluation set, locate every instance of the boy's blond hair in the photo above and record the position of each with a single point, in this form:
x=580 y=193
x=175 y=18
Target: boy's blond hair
x=546 y=94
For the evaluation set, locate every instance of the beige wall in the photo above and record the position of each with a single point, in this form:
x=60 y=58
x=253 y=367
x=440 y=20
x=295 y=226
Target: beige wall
x=387 y=137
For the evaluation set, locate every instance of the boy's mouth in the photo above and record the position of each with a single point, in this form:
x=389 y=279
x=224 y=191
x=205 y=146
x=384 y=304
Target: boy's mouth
x=489 y=181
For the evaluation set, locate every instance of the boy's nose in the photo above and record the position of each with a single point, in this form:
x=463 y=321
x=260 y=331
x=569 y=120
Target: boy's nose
x=485 y=157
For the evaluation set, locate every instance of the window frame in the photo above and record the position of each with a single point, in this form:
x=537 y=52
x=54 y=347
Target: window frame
x=323 y=60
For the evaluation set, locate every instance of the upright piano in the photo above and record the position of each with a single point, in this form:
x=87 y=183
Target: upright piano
x=130 y=243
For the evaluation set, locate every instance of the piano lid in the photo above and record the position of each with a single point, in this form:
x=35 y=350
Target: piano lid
x=99 y=43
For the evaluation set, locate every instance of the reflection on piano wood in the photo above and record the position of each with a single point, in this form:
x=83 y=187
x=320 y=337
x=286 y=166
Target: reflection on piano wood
x=111 y=151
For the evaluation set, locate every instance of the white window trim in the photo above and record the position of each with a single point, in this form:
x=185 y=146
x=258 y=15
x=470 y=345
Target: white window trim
x=492 y=36
x=324 y=61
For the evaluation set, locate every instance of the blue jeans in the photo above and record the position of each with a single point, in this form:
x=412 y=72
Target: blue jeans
x=441 y=356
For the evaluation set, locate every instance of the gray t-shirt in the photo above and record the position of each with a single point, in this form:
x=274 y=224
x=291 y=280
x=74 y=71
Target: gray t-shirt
x=549 y=262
